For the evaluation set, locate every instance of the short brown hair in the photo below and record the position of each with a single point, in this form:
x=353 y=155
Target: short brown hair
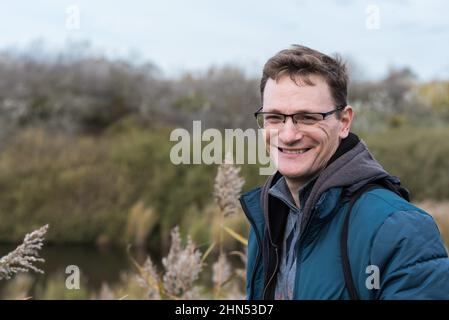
x=301 y=61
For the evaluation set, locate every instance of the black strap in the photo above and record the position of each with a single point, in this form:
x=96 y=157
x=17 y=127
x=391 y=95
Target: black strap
x=380 y=183
x=349 y=281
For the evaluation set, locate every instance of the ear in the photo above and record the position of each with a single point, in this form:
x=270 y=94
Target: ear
x=345 y=121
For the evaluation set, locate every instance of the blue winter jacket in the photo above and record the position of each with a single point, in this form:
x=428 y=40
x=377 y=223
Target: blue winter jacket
x=394 y=248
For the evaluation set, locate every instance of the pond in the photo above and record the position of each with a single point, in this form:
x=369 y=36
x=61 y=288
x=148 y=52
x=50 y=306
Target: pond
x=97 y=266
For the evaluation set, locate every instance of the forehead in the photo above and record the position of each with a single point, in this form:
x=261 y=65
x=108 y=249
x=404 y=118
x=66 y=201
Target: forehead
x=290 y=96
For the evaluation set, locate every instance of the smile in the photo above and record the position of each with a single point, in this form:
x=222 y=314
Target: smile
x=294 y=151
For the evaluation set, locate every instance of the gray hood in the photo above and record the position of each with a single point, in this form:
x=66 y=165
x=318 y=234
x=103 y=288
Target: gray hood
x=352 y=170
x=351 y=167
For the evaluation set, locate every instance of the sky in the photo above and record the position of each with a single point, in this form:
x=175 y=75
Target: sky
x=193 y=35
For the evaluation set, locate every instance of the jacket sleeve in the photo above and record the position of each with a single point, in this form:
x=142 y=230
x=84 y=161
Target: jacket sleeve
x=411 y=257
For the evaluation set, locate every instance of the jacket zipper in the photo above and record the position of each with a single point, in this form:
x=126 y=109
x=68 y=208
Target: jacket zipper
x=259 y=246
x=273 y=274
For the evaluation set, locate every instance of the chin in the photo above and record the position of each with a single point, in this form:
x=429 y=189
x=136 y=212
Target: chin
x=293 y=173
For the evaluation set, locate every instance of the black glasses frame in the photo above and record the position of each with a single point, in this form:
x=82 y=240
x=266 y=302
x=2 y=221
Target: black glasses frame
x=323 y=114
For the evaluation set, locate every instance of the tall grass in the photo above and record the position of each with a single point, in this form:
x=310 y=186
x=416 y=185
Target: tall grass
x=24 y=257
x=183 y=265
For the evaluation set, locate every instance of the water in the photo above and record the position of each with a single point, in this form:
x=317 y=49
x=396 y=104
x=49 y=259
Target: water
x=97 y=266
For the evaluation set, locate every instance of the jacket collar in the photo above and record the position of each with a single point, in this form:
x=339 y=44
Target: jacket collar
x=275 y=212
x=279 y=211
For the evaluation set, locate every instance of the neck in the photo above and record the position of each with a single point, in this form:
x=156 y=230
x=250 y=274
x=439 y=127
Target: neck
x=294 y=186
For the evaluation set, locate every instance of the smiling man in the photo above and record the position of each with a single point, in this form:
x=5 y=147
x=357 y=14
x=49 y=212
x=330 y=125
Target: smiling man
x=331 y=223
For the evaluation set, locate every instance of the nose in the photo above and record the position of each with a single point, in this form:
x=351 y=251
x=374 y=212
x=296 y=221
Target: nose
x=289 y=132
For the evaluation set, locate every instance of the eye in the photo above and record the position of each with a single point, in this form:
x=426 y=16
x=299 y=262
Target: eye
x=307 y=118
x=274 y=118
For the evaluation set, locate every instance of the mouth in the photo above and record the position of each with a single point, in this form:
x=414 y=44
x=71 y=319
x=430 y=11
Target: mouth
x=293 y=150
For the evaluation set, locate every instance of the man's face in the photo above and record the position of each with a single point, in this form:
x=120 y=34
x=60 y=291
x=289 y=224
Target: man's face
x=301 y=151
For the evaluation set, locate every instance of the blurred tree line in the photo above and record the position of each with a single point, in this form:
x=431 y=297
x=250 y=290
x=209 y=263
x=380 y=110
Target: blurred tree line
x=84 y=142
x=87 y=95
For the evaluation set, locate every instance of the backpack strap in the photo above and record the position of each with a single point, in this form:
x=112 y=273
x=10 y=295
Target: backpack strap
x=382 y=183
x=349 y=281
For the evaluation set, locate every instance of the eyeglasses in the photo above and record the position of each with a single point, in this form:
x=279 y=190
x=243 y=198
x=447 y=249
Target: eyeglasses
x=275 y=120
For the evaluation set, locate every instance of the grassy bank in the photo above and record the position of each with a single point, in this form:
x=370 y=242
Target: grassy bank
x=121 y=188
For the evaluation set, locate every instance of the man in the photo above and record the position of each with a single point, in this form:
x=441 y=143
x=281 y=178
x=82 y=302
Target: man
x=331 y=223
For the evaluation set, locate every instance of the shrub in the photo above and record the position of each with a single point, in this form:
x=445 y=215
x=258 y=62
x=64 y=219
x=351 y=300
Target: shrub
x=418 y=156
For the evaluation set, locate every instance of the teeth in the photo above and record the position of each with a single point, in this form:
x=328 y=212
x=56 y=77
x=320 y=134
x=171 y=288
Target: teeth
x=294 y=151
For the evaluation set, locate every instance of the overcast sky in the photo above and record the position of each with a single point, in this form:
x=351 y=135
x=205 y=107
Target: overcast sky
x=185 y=35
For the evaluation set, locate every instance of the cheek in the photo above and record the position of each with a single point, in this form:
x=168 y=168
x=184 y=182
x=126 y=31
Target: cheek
x=320 y=135
x=326 y=137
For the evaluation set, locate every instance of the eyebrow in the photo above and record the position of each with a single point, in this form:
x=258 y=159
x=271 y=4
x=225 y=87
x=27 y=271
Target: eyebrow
x=300 y=111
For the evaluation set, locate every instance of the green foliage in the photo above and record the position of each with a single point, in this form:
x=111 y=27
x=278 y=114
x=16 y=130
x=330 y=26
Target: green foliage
x=86 y=187
x=418 y=156
x=67 y=182
x=436 y=95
